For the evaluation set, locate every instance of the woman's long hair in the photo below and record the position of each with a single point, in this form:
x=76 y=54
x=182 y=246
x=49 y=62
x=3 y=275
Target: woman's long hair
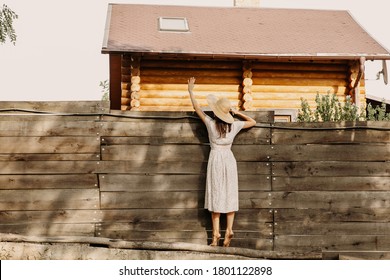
x=222 y=127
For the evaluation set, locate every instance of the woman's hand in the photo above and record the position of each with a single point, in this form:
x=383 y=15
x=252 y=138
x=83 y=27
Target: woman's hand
x=249 y=122
x=191 y=84
x=233 y=111
x=198 y=110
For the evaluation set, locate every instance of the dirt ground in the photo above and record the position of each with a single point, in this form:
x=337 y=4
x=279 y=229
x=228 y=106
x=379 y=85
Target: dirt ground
x=47 y=251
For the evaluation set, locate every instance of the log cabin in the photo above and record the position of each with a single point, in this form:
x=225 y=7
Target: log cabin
x=260 y=58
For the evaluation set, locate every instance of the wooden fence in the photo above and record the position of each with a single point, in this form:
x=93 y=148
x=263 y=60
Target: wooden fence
x=141 y=176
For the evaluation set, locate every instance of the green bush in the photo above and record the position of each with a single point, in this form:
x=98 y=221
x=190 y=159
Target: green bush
x=378 y=113
x=350 y=111
x=305 y=114
x=330 y=109
x=105 y=90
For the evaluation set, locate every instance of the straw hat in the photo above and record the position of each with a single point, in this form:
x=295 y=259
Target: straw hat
x=221 y=108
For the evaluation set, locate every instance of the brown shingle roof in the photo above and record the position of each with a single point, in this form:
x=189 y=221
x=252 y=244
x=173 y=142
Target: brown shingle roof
x=246 y=32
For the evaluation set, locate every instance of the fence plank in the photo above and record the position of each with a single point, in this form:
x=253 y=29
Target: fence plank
x=159 y=153
x=241 y=239
x=46 y=127
x=252 y=230
x=255 y=200
x=117 y=200
x=331 y=199
x=325 y=242
x=71 y=181
x=189 y=153
x=49 y=145
x=295 y=137
x=368 y=152
x=153 y=128
x=123 y=133
x=188 y=237
x=175 y=167
x=331 y=168
x=330 y=184
x=333 y=215
x=111 y=200
x=134 y=215
x=131 y=183
x=151 y=167
x=154 y=140
x=51 y=216
x=122 y=231
x=329 y=228
x=44 y=229
x=146 y=182
x=49 y=157
x=49 y=199
x=175 y=130
x=48 y=167
x=383 y=242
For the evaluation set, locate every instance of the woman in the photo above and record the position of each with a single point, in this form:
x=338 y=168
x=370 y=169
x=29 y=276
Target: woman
x=222 y=179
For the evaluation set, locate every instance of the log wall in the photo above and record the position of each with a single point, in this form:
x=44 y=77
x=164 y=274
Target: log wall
x=158 y=84
x=141 y=176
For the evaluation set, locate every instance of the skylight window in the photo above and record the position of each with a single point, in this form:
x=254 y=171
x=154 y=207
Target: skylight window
x=174 y=24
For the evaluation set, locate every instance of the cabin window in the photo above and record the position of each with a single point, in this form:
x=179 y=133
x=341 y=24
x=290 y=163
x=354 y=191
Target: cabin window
x=173 y=24
x=285 y=115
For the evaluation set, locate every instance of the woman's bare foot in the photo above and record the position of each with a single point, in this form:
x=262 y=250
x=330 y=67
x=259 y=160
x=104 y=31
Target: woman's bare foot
x=228 y=239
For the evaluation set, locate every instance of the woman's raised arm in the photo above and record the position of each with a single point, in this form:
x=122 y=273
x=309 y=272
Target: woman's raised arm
x=198 y=110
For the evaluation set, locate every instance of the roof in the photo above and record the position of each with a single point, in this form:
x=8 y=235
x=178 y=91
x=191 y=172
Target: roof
x=377 y=99
x=240 y=32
